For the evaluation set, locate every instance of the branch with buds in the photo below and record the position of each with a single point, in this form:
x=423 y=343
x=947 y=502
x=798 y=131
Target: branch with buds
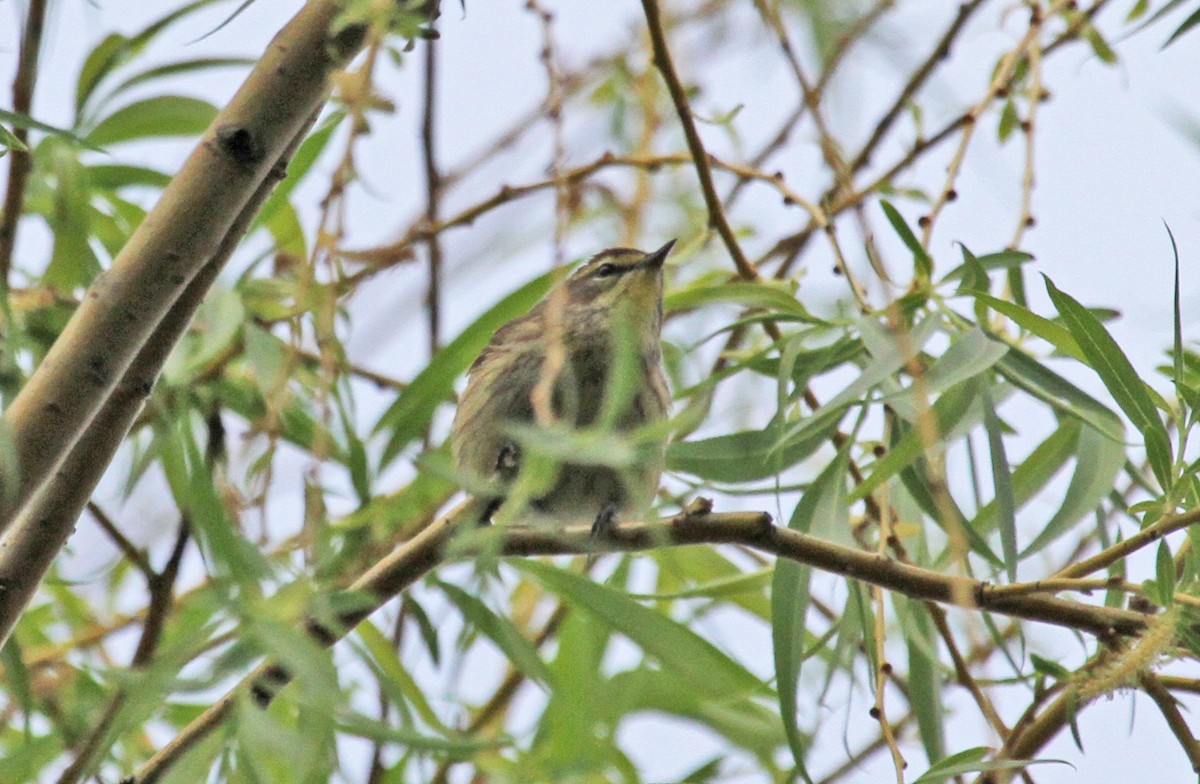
x=456 y=537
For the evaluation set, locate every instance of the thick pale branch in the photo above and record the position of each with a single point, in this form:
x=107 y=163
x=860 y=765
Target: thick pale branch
x=169 y=248
x=41 y=530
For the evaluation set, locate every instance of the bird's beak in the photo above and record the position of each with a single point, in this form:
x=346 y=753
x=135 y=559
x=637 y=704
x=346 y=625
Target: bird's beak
x=654 y=261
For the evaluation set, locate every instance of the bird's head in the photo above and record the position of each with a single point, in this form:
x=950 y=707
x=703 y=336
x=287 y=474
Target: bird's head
x=621 y=277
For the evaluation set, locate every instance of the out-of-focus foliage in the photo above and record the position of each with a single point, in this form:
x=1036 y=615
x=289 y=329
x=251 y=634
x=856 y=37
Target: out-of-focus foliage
x=928 y=410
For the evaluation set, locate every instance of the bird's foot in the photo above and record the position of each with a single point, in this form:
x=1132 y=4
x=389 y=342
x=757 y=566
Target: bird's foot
x=605 y=523
x=489 y=509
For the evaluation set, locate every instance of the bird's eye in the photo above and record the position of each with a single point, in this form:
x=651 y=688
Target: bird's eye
x=605 y=270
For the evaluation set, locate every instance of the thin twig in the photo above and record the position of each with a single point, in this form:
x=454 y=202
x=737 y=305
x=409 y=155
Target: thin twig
x=716 y=213
x=1169 y=708
x=127 y=548
x=433 y=296
x=20 y=161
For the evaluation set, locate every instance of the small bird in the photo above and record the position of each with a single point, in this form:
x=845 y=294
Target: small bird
x=616 y=295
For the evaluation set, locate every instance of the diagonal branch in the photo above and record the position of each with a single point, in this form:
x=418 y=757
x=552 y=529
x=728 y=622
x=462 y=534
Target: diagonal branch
x=42 y=529
x=716 y=213
x=171 y=246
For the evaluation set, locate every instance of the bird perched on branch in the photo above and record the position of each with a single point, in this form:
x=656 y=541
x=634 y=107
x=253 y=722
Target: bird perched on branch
x=555 y=406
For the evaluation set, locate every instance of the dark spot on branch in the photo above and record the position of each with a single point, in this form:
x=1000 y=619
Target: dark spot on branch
x=240 y=144
x=96 y=370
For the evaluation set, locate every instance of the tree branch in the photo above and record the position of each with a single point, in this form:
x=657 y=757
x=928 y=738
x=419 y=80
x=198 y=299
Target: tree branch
x=19 y=161
x=30 y=546
x=170 y=247
x=428 y=549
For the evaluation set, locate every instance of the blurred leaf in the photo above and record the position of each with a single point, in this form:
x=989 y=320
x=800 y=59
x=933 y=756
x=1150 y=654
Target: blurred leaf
x=705 y=668
x=971 y=761
x=1008 y=121
x=114 y=177
x=178 y=68
x=460 y=748
x=299 y=167
x=822 y=507
x=925 y=681
x=1184 y=28
x=165 y=115
x=747 y=455
x=1038 y=380
x=115 y=50
x=501 y=631
x=921 y=258
x=968 y=356
x=394 y=673
x=1003 y=482
x=948 y=412
x=73 y=263
x=772 y=297
x=1122 y=381
x=1036 y=471
x=1164 y=574
x=743 y=723
x=1099 y=460
x=25 y=121
x=191 y=483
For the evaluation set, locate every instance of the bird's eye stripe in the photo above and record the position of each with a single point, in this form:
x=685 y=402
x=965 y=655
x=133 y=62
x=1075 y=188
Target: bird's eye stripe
x=604 y=270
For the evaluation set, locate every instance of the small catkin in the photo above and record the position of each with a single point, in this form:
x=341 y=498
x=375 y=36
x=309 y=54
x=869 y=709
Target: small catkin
x=1123 y=671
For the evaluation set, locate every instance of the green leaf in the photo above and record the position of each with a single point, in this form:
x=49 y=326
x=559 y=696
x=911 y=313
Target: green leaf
x=1050 y=331
x=115 y=50
x=921 y=258
x=393 y=672
x=1008 y=121
x=821 y=507
x=408 y=417
x=1001 y=260
x=971 y=761
x=299 y=167
x=501 y=631
x=1177 y=346
x=747 y=455
x=1098 y=462
x=458 y=748
x=1032 y=376
x=743 y=723
x=1164 y=574
x=925 y=681
x=1036 y=470
x=967 y=357
x=177 y=68
x=1003 y=483
x=1186 y=26
x=1119 y=377
x=73 y=263
x=165 y=115
x=673 y=644
x=19 y=120
x=1050 y=667
x=772 y=297
x=948 y=412
x=115 y=176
